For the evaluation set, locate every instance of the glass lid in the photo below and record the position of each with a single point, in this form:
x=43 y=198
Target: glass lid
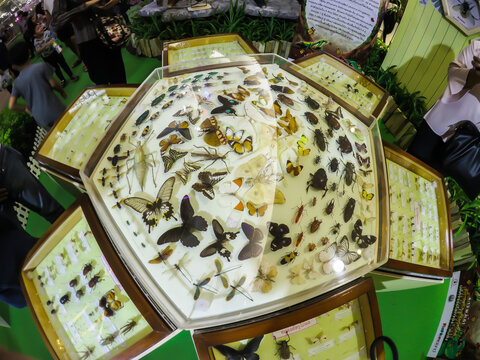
x=238 y=189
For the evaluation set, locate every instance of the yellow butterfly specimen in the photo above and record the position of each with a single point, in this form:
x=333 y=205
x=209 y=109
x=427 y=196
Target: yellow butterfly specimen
x=252 y=209
x=367 y=196
x=265 y=277
x=301 y=146
x=291 y=126
x=234 y=140
x=292 y=169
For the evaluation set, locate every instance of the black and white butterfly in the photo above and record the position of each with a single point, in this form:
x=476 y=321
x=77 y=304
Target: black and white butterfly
x=336 y=256
x=247 y=353
x=362 y=241
x=219 y=244
x=173 y=155
x=254 y=247
x=226 y=106
x=279 y=231
x=207 y=182
x=184 y=231
x=152 y=211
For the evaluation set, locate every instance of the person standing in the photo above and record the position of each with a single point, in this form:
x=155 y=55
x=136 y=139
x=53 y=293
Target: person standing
x=105 y=65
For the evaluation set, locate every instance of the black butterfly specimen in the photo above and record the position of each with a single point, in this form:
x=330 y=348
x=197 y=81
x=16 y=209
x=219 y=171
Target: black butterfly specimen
x=219 y=244
x=226 y=106
x=279 y=231
x=207 y=182
x=173 y=155
x=184 y=231
x=254 y=247
x=182 y=128
x=247 y=353
x=152 y=211
x=362 y=241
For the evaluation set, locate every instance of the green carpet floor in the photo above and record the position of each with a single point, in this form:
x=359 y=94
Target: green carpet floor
x=409 y=317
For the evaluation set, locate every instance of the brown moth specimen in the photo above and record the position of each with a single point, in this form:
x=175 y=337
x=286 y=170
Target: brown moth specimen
x=315 y=225
x=348 y=210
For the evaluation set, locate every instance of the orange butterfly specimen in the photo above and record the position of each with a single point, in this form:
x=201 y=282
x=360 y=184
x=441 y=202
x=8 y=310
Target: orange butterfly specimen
x=277 y=108
x=292 y=169
x=182 y=128
x=291 y=127
x=213 y=135
x=171 y=140
x=252 y=209
x=240 y=95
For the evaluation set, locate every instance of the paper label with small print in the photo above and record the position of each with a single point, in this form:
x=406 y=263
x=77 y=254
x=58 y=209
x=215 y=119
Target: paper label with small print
x=353 y=357
x=320 y=348
x=343 y=313
x=295 y=328
x=345 y=336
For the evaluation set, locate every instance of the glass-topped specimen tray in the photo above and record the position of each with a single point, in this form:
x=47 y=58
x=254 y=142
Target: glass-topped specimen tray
x=70 y=142
x=347 y=83
x=82 y=299
x=209 y=48
x=420 y=225
x=338 y=325
x=236 y=190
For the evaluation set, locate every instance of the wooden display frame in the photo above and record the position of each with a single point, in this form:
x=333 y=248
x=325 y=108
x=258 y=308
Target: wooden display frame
x=198 y=41
x=48 y=242
x=456 y=19
x=59 y=169
x=415 y=165
x=355 y=75
x=362 y=289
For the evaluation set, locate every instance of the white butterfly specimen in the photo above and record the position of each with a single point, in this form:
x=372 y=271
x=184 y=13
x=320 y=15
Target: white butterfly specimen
x=335 y=257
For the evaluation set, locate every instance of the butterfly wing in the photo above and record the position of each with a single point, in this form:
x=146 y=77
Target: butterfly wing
x=218 y=230
x=211 y=249
x=252 y=346
x=165 y=191
x=137 y=203
x=184 y=130
x=253 y=248
x=205 y=189
x=326 y=255
x=170 y=128
x=170 y=236
x=190 y=221
x=228 y=352
x=171 y=158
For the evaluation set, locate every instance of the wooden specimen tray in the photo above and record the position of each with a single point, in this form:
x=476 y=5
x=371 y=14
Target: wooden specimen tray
x=75 y=135
x=338 y=325
x=420 y=225
x=81 y=297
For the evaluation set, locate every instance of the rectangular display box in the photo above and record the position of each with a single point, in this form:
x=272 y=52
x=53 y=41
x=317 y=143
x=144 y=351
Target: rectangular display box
x=420 y=224
x=347 y=83
x=211 y=48
x=340 y=325
x=70 y=142
x=234 y=210
x=82 y=299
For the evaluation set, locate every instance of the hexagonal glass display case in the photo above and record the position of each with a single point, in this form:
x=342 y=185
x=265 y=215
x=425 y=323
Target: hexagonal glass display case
x=237 y=189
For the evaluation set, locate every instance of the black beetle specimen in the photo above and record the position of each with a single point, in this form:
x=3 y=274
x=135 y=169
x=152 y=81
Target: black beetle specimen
x=333 y=117
x=318 y=180
x=116 y=149
x=65 y=298
x=350 y=174
x=284 y=348
x=320 y=140
x=73 y=282
x=344 y=145
x=317 y=160
x=329 y=208
x=312 y=119
x=312 y=104
x=348 y=210
x=79 y=293
x=86 y=269
x=94 y=281
x=333 y=165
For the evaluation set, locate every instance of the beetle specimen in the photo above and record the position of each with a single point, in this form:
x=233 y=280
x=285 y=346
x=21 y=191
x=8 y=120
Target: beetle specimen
x=311 y=247
x=315 y=225
x=344 y=145
x=94 y=281
x=142 y=117
x=286 y=100
x=329 y=207
x=348 y=210
x=157 y=100
x=248 y=352
x=333 y=117
x=211 y=155
x=110 y=339
x=312 y=104
x=349 y=172
x=312 y=119
x=79 y=293
x=333 y=165
x=284 y=348
x=86 y=269
x=73 y=282
x=320 y=140
x=299 y=213
x=314 y=201
x=281 y=89
x=318 y=181
x=236 y=288
x=290 y=257
x=53 y=311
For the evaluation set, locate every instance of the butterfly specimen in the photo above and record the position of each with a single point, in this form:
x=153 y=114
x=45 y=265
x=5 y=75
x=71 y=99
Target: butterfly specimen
x=213 y=135
x=221 y=274
x=301 y=146
x=207 y=182
x=152 y=211
x=254 y=247
x=361 y=147
x=362 y=241
x=291 y=126
x=282 y=89
x=184 y=231
x=226 y=106
x=320 y=337
x=162 y=256
x=171 y=140
x=366 y=195
x=280 y=240
x=171 y=158
x=192 y=114
x=265 y=277
x=292 y=169
x=188 y=168
x=247 y=353
x=309 y=270
x=201 y=285
x=336 y=256
x=277 y=108
x=253 y=80
x=218 y=245
x=109 y=303
x=229 y=189
x=252 y=209
x=236 y=288
x=182 y=128
x=363 y=161
x=295 y=275
x=234 y=140
x=240 y=95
